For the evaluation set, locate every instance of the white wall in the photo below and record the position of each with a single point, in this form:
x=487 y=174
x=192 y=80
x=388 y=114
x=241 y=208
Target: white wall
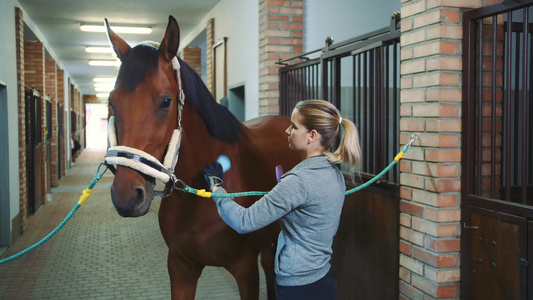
x=344 y=19
x=8 y=75
x=238 y=21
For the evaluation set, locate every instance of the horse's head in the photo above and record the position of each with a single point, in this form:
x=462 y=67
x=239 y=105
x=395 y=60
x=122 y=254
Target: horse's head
x=145 y=106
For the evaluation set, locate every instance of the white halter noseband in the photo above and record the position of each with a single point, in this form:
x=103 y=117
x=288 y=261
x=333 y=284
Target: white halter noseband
x=142 y=161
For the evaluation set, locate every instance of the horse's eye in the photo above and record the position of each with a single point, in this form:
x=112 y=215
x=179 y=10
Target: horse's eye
x=166 y=103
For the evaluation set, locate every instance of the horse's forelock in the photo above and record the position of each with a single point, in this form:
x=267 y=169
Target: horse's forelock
x=135 y=65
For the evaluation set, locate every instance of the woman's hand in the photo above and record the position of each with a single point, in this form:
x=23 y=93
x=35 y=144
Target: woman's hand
x=213 y=175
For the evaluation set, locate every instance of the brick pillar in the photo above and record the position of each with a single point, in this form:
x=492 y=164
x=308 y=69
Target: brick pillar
x=193 y=57
x=63 y=140
x=280 y=36
x=23 y=190
x=34 y=76
x=34 y=66
x=210 y=36
x=51 y=89
x=431 y=66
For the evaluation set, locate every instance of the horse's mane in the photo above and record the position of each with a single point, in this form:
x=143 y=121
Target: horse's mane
x=220 y=123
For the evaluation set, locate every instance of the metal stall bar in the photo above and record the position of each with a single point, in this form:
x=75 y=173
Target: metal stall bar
x=493 y=111
x=395 y=102
x=530 y=164
x=479 y=129
x=516 y=111
x=507 y=108
x=525 y=75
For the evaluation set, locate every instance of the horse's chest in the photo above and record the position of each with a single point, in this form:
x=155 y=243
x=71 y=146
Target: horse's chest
x=206 y=239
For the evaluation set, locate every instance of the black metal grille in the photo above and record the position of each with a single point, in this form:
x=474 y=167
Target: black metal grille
x=498 y=109
x=360 y=77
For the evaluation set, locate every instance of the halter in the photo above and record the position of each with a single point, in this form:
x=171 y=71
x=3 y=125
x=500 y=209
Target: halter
x=142 y=161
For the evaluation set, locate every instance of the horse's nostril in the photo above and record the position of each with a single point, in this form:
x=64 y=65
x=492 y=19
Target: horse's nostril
x=140 y=193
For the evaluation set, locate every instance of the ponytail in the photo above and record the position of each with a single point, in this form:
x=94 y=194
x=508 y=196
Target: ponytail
x=349 y=150
x=325 y=118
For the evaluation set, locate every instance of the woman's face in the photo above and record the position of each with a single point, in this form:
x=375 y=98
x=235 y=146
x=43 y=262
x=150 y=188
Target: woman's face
x=298 y=134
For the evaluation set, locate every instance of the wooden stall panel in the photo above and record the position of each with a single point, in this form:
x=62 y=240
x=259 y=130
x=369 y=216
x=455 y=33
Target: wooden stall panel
x=365 y=250
x=496 y=257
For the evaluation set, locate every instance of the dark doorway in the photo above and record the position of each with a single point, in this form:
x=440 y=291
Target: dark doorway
x=34 y=145
x=48 y=142
x=236 y=102
x=5 y=230
x=60 y=138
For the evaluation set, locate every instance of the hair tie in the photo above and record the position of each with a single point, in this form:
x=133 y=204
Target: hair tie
x=340 y=120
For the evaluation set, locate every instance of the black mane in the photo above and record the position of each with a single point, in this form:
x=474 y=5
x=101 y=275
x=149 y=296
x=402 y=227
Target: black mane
x=220 y=123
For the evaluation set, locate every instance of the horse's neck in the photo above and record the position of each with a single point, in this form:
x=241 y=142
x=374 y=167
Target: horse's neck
x=198 y=148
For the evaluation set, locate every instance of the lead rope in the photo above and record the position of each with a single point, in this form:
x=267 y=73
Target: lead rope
x=206 y=194
x=202 y=193
x=85 y=194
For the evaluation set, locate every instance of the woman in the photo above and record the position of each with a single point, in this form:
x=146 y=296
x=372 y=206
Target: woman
x=307 y=201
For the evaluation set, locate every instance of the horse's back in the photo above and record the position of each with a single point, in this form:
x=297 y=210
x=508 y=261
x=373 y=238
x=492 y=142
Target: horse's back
x=269 y=142
x=269 y=122
x=268 y=133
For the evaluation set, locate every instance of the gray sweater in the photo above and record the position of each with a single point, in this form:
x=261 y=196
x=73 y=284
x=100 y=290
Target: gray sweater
x=308 y=202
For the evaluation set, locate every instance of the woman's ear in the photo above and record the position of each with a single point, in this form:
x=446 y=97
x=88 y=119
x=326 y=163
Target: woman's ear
x=313 y=136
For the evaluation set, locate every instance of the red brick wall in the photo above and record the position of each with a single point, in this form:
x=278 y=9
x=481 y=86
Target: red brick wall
x=23 y=191
x=280 y=36
x=51 y=90
x=34 y=66
x=34 y=76
x=210 y=36
x=193 y=57
x=431 y=66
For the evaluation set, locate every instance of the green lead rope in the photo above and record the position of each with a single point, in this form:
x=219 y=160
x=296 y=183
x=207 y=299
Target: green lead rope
x=85 y=194
x=206 y=194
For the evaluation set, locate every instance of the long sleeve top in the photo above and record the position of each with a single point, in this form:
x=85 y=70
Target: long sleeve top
x=308 y=202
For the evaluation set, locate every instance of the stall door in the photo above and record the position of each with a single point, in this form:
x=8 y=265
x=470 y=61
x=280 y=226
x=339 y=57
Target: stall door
x=48 y=144
x=497 y=179
x=498 y=258
x=33 y=150
x=60 y=143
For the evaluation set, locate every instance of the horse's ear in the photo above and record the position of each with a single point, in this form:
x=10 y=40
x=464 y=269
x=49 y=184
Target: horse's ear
x=119 y=45
x=170 y=43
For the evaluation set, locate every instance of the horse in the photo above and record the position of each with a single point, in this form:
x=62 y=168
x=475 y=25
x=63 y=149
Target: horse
x=157 y=93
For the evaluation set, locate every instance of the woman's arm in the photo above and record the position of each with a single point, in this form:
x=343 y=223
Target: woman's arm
x=288 y=194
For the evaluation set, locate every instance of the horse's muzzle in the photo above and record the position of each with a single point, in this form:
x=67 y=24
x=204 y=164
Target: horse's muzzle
x=132 y=193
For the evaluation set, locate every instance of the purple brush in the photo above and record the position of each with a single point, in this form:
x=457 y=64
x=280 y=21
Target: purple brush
x=279 y=172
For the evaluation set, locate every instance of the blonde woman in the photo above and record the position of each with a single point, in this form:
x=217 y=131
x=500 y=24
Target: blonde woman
x=307 y=201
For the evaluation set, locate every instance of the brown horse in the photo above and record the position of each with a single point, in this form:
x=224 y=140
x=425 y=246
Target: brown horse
x=145 y=103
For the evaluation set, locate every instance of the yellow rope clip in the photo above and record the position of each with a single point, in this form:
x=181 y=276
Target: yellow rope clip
x=203 y=193
x=399 y=156
x=84 y=195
